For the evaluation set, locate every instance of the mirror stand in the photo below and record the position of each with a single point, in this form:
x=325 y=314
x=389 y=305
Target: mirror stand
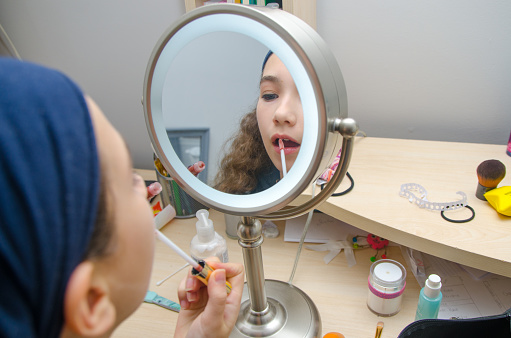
x=270 y=307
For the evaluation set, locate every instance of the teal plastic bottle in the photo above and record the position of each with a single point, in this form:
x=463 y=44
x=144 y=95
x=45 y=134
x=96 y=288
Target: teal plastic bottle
x=430 y=299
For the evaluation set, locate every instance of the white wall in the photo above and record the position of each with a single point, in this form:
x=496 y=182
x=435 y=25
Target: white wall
x=213 y=92
x=432 y=69
x=102 y=45
x=437 y=70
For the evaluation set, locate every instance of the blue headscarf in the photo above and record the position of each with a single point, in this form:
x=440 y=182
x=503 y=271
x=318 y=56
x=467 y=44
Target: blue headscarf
x=270 y=53
x=49 y=187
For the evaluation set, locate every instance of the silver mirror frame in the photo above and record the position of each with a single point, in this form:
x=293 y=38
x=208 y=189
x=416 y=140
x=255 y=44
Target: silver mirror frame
x=330 y=102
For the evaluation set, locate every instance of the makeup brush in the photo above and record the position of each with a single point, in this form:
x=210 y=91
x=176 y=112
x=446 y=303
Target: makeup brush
x=379 y=329
x=489 y=174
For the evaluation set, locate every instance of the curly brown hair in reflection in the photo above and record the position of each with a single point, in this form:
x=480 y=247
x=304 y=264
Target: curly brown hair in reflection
x=245 y=159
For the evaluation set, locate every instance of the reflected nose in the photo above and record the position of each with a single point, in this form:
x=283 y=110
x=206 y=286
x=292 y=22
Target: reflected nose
x=287 y=112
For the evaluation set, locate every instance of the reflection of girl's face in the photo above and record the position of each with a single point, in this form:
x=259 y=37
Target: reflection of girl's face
x=279 y=113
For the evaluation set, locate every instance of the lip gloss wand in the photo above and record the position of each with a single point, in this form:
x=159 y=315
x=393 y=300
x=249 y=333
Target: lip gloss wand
x=282 y=157
x=201 y=270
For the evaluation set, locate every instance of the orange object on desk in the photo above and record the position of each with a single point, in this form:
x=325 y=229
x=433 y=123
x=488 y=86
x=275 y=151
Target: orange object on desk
x=333 y=335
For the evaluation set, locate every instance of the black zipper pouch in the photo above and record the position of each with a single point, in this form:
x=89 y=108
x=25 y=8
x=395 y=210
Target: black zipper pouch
x=491 y=326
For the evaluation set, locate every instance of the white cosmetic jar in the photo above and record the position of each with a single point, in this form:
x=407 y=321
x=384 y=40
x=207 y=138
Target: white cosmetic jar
x=387 y=281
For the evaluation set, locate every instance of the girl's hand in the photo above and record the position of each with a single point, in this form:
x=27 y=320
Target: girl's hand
x=208 y=311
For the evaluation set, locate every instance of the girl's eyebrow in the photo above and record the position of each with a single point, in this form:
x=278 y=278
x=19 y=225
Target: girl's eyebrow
x=270 y=78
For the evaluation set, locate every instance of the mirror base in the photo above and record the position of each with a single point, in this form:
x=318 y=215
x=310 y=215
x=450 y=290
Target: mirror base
x=290 y=313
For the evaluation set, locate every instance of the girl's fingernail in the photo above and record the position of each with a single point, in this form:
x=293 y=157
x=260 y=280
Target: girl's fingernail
x=184 y=304
x=191 y=296
x=189 y=284
x=220 y=276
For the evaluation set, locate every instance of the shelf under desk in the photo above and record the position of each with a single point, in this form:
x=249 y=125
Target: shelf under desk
x=379 y=166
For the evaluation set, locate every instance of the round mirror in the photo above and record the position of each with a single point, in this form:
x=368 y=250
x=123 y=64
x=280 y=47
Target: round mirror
x=210 y=71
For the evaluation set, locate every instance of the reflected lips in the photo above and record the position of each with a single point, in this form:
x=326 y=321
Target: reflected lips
x=290 y=145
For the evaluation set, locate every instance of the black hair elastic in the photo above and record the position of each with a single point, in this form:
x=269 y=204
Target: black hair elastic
x=352 y=185
x=460 y=221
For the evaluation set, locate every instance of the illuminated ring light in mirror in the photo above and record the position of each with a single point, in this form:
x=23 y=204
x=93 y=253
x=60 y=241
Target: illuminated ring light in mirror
x=311 y=151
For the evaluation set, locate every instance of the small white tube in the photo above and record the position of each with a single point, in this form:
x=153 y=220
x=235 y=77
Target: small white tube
x=164 y=216
x=172 y=274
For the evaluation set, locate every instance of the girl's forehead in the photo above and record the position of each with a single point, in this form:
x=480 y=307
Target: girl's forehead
x=276 y=68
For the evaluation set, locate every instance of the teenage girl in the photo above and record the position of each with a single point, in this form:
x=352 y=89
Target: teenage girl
x=76 y=230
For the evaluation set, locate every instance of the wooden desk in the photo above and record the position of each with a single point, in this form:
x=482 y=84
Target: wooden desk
x=339 y=292
x=379 y=166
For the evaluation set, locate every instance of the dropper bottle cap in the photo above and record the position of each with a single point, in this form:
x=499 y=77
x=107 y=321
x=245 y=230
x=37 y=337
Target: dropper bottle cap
x=433 y=286
x=204 y=226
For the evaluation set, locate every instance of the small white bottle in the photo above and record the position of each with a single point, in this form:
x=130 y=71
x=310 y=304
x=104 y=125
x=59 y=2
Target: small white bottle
x=429 y=299
x=207 y=242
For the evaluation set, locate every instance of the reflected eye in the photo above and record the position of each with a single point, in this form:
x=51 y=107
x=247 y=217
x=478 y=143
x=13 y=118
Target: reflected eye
x=269 y=97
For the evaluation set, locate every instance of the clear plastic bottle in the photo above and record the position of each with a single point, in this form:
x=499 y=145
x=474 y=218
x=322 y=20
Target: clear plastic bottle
x=207 y=242
x=430 y=299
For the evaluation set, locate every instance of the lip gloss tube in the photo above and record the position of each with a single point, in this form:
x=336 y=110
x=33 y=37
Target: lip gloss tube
x=205 y=273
